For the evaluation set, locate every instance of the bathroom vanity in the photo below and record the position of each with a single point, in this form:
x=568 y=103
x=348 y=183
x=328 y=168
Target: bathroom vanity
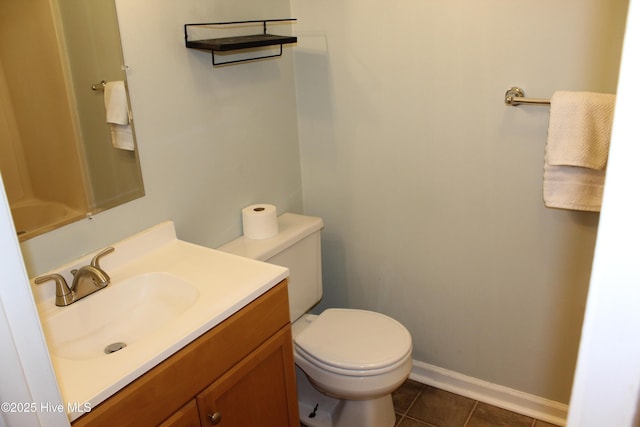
x=240 y=373
x=182 y=335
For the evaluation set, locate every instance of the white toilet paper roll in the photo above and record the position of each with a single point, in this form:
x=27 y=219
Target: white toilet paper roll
x=259 y=221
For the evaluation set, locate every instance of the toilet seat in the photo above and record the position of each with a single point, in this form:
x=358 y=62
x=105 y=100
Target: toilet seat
x=354 y=342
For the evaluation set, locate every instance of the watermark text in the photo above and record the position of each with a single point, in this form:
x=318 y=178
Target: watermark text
x=26 y=407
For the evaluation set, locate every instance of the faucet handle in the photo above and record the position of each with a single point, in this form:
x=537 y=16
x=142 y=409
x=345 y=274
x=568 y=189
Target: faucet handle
x=95 y=262
x=64 y=296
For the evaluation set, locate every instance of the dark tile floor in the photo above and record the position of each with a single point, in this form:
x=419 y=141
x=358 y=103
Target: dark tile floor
x=419 y=405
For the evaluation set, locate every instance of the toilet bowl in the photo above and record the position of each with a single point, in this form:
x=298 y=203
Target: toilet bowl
x=356 y=357
x=353 y=354
x=348 y=361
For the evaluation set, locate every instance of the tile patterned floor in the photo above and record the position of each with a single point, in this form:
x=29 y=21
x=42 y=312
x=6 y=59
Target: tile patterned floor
x=419 y=405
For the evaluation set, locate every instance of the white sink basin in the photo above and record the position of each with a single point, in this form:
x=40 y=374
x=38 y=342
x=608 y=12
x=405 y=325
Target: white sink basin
x=164 y=293
x=119 y=315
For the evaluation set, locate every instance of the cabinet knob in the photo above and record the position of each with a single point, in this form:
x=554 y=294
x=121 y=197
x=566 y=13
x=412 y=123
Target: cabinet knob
x=215 y=419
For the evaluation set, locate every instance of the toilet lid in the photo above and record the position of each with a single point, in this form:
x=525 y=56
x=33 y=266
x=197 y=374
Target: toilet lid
x=355 y=339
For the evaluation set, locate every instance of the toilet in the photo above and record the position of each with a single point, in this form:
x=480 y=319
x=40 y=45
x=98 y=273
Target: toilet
x=348 y=361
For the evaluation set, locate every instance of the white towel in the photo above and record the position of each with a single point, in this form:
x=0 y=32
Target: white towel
x=577 y=150
x=117 y=115
x=570 y=187
x=115 y=103
x=121 y=137
x=580 y=129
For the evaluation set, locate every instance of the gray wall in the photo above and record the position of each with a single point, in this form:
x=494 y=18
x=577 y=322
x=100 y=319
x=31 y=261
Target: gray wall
x=431 y=187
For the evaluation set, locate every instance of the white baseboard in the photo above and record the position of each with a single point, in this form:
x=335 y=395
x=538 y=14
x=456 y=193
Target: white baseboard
x=493 y=394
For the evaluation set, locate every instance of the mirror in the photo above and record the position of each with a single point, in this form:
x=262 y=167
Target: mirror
x=60 y=159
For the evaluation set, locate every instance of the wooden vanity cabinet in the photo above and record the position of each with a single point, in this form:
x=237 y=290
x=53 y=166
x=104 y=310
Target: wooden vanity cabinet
x=250 y=393
x=238 y=374
x=187 y=416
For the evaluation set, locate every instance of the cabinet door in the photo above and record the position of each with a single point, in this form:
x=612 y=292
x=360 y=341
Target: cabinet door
x=187 y=416
x=258 y=391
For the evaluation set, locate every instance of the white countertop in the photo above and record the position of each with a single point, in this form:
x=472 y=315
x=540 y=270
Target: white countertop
x=226 y=283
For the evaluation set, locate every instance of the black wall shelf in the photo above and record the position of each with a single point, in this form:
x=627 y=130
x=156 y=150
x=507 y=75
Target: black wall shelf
x=227 y=44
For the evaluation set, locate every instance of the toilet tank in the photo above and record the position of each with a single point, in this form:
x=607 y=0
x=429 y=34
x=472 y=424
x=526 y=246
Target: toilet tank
x=297 y=247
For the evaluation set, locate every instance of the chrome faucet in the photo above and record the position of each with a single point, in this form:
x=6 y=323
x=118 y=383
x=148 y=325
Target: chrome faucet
x=86 y=280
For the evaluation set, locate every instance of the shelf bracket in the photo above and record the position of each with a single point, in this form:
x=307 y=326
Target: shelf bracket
x=236 y=61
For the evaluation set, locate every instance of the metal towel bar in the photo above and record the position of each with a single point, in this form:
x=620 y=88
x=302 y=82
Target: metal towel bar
x=99 y=86
x=515 y=96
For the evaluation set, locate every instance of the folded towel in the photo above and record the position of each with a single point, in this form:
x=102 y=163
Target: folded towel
x=117 y=109
x=115 y=103
x=580 y=129
x=570 y=187
x=121 y=137
x=577 y=150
